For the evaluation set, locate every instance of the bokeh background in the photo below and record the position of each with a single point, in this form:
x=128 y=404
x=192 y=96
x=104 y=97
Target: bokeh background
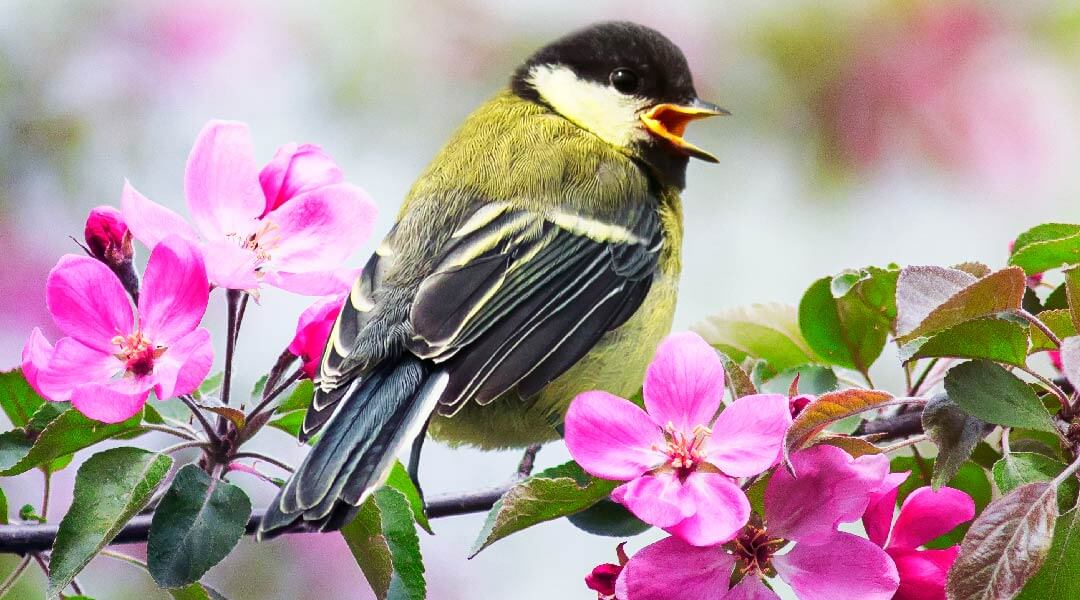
x=864 y=132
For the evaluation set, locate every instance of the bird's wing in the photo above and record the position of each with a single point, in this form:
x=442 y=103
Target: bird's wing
x=518 y=297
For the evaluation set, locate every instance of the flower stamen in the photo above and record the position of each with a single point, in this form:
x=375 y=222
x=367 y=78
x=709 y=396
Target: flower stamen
x=137 y=353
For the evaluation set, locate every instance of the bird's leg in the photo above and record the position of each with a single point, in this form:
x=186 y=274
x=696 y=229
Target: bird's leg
x=414 y=458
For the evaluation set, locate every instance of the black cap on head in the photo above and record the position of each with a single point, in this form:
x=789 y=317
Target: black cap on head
x=651 y=65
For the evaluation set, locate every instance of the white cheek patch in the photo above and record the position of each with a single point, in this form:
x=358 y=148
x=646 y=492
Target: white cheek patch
x=599 y=108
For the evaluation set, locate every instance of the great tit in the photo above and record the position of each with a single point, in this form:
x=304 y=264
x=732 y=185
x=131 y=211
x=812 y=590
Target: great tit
x=537 y=257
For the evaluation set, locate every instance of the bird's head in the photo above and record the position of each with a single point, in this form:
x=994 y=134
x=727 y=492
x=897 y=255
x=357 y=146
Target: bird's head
x=625 y=83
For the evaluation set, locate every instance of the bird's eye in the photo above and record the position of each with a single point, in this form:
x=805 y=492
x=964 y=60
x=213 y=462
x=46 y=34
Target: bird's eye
x=625 y=80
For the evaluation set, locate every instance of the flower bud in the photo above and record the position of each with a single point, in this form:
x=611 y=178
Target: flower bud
x=107 y=236
x=313 y=329
x=297 y=169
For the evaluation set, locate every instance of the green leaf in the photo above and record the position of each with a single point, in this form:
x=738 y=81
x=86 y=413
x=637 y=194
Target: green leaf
x=550 y=494
x=258 y=388
x=609 y=519
x=196 y=525
x=17 y=398
x=827 y=409
x=1072 y=293
x=987 y=391
x=736 y=379
x=1046 y=247
x=110 y=488
x=1057 y=577
x=970 y=478
x=1058 y=321
x=384 y=543
x=813 y=379
x=997 y=292
x=765 y=331
x=290 y=422
x=195 y=591
x=955 y=433
x=299 y=398
x=210 y=385
x=990 y=338
x=3 y=508
x=1019 y=468
x=1006 y=545
x=399 y=480
x=1057 y=299
x=1041 y=442
x=67 y=433
x=847 y=319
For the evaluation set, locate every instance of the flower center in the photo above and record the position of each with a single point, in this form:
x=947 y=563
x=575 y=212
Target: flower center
x=261 y=242
x=754 y=550
x=137 y=352
x=685 y=452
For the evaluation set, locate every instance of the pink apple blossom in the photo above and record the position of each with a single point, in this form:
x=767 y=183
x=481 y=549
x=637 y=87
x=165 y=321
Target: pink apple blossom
x=113 y=356
x=801 y=518
x=603 y=577
x=296 y=240
x=107 y=236
x=924 y=515
x=679 y=459
x=313 y=329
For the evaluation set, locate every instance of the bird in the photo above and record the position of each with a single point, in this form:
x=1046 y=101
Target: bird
x=536 y=257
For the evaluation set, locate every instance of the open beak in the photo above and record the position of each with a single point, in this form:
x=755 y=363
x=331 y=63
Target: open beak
x=668 y=122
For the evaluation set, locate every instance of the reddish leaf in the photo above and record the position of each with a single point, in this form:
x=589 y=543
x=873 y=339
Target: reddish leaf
x=828 y=409
x=997 y=292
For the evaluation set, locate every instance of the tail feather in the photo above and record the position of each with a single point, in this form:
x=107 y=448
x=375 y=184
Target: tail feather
x=371 y=423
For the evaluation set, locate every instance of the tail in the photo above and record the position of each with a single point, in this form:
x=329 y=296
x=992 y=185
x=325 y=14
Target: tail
x=371 y=423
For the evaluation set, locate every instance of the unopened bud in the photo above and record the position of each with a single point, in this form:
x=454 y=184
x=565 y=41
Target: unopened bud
x=108 y=237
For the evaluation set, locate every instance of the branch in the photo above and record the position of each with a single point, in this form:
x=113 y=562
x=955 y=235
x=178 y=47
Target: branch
x=23 y=538
x=893 y=427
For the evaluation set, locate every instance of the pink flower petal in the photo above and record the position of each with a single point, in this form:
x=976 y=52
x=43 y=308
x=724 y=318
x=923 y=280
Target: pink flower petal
x=312 y=331
x=684 y=383
x=151 y=222
x=927 y=514
x=748 y=435
x=184 y=365
x=312 y=283
x=879 y=513
x=295 y=169
x=88 y=302
x=320 y=229
x=221 y=181
x=750 y=588
x=843 y=566
x=721 y=510
x=174 y=291
x=923 y=573
x=36 y=355
x=671 y=569
x=114 y=401
x=612 y=438
x=831 y=488
x=232 y=267
x=73 y=364
x=659 y=500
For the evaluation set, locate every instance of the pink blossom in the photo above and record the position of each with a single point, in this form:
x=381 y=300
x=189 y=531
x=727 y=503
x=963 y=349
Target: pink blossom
x=925 y=515
x=801 y=517
x=680 y=461
x=107 y=236
x=313 y=329
x=602 y=578
x=295 y=241
x=114 y=356
x=296 y=169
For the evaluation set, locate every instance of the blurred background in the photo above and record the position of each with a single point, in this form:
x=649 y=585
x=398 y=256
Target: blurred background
x=864 y=132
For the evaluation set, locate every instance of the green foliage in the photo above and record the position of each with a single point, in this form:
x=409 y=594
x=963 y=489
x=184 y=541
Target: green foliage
x=991 y=338
x=110 y=488
x=1058 y=321
x=955 y=433
x=69 y=432
x=399 y=480
x=17 y=398
x=608 y=518
x=1057 y=577
x=1019 y=468
x=384 y=543
x=1006 y=544
x=813 y=379
x=997 y=292
x=846 y=319
x=1046 y=247
x=550 y=494
x=196 y=525
x=766 y=331
x=985 y=390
